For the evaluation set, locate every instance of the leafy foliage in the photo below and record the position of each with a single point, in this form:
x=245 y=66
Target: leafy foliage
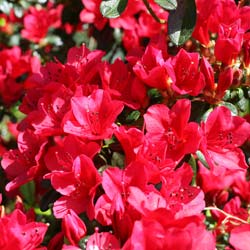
x=112 y=8
x=181 y=22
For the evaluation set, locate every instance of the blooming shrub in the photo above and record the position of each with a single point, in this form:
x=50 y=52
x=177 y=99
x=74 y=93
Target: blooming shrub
x=125 y=124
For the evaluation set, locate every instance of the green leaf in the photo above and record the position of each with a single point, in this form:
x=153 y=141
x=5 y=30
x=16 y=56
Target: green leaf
x=81 y=37
x=230 y=106
x=198 y=109
x=133 y=116
x=243 y=104
x=38 y=211
x=236 y=94
x=18 y=10
x=206 y=114
x=227 y=95
x=155 y=96
x=5 y=6
x=2 y=22
x=48 y=199
x=117 y=160
x=112 y=8
x=53 y=39
x=181 y=22
x=167 y=4
x=28 y=192
x=192 y=163
x=201 y=157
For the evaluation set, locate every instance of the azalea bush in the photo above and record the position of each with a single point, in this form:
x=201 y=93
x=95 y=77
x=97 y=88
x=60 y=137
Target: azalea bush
x=125 y=124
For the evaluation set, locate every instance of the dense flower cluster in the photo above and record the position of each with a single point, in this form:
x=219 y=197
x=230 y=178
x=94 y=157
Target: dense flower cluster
x=147 y=151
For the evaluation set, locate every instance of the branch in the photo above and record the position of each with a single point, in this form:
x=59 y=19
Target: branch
x=153 y=13
x=228 y=216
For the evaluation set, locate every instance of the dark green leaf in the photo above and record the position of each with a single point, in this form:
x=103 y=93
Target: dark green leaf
x=117 y=160
x=28 y=192
x=181 y=22
x=198 y=109
x=133 y=116
x=167 y=4
x=155 y=96
x=48 y=199
x=112 y=8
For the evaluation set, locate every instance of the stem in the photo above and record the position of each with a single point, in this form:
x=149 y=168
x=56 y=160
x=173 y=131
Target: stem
x=226 y=214
x=2 y=211
x=157 y=19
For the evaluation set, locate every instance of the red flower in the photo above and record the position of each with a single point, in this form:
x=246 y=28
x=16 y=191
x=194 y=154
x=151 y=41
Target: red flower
x=73 y=227
x=61 y=156
x=92 y=117
x=173 y=129
x=123 y=85
x=91 y=13
x=155 y=157
x=214 y=185
x=242 y=188
x=233 y=207
x=51 y=108
x=15 y=70
x=214 y=92
x=113 y=206
x=77 y=186
x=240 y=237
x=182 y=198
x=70 y=247
x=130 y=139
x=127 y=19
x=188 y=80
x=38 y=22
x=223 y=134
x=144 y=202
x=204 y=10
x=153 y=69
x=19 y=233
x=23 y=164
x=160 y=231
x=103 y=240
x=116 y=181
x=229 y=42
x=246 y=50
x=83 y=68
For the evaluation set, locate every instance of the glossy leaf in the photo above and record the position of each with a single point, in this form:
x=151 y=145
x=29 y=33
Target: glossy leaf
x=181 y=22
x=230 y=106
x=201 y=157
x=244 y=106
x=113 y=8
x=167 y=4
